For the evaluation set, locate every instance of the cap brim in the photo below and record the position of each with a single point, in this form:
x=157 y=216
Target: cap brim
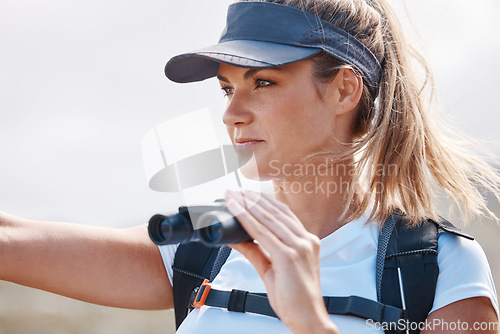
x=203 y=64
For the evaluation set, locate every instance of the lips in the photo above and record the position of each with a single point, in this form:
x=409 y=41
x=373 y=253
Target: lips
x=247 y=142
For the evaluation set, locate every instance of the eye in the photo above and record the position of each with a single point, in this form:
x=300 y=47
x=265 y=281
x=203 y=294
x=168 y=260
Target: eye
x=226 y=90
x=261 y=83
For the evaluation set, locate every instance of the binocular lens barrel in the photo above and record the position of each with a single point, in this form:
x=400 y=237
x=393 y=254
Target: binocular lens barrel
x=222 y=228
x=171 y=229
x=219 y=227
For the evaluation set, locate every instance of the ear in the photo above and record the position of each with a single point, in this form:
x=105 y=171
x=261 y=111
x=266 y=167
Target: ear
x=348 y=90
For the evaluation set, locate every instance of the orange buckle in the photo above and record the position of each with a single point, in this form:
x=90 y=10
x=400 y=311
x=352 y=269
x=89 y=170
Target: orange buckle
x=202 y=294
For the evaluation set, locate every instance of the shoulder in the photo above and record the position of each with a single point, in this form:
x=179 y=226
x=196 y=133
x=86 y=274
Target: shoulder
x=464 y=272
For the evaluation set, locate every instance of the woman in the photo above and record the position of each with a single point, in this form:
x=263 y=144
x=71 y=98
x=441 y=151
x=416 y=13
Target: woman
x=302 y=105
x=334 y=119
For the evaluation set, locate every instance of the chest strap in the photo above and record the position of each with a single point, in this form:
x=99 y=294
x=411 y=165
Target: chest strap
x=244 y=301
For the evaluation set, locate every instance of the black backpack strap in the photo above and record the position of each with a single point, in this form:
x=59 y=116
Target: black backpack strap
x=193 y=263
x=414 y=251
x=446 y=226
x=251 y=302
x=411 y=259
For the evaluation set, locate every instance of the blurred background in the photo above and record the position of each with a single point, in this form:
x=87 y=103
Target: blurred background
x=81 y=82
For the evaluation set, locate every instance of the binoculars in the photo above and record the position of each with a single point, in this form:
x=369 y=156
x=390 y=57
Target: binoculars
x=212 y=225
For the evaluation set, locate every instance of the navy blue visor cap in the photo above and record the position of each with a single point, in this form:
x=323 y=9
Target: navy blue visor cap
x=264 y=34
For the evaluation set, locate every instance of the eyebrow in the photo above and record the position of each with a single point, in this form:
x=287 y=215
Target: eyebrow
x=249 y=73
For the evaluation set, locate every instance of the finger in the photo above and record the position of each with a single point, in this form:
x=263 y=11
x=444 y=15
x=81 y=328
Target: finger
x=287 y=227
x=254 y=253
x=240 y=196
x=272 y=219
x=260 y=232
x=277 y=209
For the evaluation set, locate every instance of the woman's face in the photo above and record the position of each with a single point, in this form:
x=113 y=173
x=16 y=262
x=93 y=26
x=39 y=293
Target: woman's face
x=276 y=117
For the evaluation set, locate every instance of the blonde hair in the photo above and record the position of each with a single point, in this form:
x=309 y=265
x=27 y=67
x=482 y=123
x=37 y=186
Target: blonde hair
x=397 y=131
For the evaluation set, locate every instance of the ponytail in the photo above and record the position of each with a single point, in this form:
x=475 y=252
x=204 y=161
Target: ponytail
x=407 y=140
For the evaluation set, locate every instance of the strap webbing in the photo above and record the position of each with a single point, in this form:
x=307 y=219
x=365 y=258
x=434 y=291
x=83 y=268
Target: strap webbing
x=363 y=308
x=221 y=258
x=259 y=304
x=383 y=241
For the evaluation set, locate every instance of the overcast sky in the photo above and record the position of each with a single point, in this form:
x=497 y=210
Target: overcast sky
x=81 y=83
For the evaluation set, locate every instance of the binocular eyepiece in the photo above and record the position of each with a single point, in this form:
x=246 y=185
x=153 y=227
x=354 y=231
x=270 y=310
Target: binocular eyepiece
x=211 y=225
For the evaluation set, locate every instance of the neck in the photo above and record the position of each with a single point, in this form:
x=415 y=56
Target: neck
x=317 y=200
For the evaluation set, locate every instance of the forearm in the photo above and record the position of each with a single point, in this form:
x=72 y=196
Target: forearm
x=113 y=267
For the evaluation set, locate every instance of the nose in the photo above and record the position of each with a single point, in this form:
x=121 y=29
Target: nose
x=237 y=112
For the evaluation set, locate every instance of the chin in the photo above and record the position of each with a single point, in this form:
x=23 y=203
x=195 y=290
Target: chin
x=256 y=171
x=250 y=172
x=252 y=167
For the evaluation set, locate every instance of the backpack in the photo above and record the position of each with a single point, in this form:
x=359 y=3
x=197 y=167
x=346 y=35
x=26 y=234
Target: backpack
x=406 y=261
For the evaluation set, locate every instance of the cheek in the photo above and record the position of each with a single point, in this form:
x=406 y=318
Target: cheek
x=305 y=117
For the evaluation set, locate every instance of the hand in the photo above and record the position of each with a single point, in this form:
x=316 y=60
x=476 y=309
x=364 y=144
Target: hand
x=290 y=268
